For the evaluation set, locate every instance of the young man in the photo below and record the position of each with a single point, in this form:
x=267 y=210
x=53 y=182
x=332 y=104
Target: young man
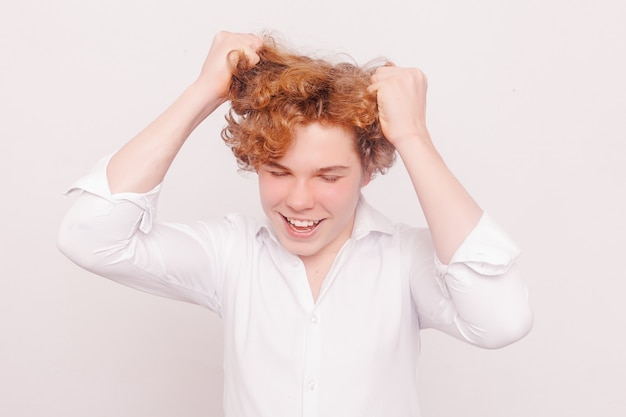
x=323 y=300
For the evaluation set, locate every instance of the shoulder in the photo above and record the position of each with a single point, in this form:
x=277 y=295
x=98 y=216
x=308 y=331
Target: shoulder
x=370 y=222
x=231 y=226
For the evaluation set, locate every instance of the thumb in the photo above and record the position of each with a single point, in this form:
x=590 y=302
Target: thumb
x=233 y=58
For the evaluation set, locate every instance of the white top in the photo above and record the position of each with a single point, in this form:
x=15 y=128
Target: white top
x=354 y=352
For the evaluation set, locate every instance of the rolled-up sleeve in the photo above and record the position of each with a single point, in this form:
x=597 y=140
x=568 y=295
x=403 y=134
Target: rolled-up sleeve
x=483 y=298
x=116 y=236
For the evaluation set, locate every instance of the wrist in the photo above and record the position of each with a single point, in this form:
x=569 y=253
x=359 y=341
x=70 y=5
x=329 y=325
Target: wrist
x=206 y=96
x=412 y=140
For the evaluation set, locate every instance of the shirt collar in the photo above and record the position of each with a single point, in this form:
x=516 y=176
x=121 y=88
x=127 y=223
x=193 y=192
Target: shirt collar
x=366 y=220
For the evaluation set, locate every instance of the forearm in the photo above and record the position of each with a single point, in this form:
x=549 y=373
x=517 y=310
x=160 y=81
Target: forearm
x=451 y=213
x=142 y=163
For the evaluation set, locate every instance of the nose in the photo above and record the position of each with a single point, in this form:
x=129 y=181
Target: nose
x=300 y=196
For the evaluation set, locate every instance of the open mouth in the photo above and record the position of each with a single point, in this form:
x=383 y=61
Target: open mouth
x=302 y=226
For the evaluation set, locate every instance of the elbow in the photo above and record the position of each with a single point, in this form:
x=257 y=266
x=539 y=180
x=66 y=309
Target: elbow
x=71 y=242
x=88 y=235
x=99 y=235
x=86 y=245
x=508 y=331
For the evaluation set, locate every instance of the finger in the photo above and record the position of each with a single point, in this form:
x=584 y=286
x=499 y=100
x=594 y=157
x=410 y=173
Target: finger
x=381 y=75
x=233 y=58
x=386 y=71
x=251 y=47
x=253 y=41
x=376 y=86
x=245 y=53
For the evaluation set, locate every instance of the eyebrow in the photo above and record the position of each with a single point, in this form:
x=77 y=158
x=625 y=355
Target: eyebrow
x=323 y=170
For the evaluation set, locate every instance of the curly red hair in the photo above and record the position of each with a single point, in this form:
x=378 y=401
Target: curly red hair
x=285 y=90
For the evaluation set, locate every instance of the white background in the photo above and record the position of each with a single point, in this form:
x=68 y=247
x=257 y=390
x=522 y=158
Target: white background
x=527 y=104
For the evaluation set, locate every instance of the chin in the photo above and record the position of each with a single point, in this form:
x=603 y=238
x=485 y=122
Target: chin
x=299 y=249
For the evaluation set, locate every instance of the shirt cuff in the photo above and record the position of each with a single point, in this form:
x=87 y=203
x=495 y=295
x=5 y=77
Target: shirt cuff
x=487 y=250
x=96 y=182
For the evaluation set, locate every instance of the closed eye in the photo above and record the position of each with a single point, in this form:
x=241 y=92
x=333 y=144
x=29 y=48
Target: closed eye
x=330 y=178
x=278 y=174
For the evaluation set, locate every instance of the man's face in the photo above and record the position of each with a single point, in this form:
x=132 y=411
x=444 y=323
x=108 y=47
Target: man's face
x=310 y=194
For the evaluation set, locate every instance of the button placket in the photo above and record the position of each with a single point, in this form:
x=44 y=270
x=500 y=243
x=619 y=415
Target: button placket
x=312 y=364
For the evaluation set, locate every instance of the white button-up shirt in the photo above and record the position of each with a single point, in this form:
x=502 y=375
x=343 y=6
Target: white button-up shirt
x=353 y=352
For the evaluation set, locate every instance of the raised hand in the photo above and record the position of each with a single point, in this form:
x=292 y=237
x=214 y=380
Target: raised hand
x=226 y=51
x=450 y=211
x=143 y=162
x=401 y=96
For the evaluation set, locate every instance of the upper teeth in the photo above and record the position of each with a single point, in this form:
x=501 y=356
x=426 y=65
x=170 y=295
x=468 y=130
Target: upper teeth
x=302 y=223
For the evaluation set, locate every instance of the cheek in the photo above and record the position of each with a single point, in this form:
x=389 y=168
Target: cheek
x=339 y=196
x=269 y=191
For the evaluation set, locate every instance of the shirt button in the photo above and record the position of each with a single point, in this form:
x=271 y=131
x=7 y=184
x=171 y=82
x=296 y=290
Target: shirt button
x=311 y=385
x=315 y=319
